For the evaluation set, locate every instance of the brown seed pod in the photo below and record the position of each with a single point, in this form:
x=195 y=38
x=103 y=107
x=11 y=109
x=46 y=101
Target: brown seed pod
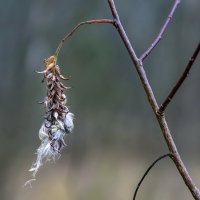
x=58 y=121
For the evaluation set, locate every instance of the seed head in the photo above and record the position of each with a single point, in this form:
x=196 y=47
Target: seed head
x=58 y=121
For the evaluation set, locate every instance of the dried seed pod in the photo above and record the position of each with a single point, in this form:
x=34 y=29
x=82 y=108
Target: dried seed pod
x=58 y=120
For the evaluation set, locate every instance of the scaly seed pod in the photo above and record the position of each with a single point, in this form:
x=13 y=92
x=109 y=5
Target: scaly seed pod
x=58 y=120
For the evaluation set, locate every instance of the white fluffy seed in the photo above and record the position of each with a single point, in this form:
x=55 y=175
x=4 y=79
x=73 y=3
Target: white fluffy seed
x=43 y=132
x=68 y=122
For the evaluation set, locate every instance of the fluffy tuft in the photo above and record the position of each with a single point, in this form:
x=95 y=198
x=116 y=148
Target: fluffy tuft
x=58 y=120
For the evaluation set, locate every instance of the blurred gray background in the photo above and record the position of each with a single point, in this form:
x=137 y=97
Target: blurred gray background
x=116 y=136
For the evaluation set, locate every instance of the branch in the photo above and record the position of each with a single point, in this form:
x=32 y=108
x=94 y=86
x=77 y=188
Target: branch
x=181 y=79
x=152 y=100
x=162 y=30
x=102 y=21
x=147 y=171
x=134 y=58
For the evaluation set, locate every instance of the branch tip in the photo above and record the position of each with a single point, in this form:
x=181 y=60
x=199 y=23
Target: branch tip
x=162 y=30
x=180 y=80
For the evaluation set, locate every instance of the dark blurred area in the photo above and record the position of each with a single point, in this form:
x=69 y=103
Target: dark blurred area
x=116 y=136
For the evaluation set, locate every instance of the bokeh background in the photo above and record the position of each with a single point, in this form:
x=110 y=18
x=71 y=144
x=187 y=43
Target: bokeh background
x=116 y=136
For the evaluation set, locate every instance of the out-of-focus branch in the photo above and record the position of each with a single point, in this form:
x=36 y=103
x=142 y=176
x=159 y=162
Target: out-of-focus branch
x=95 y=21
x=152 y=100
x=181 y=80
x=162 y=30
x=148 y=170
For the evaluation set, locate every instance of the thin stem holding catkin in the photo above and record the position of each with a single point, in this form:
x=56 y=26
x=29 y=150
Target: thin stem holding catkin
x=95 y=21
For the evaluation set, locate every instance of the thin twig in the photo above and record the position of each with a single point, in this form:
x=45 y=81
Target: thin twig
x=147 y=171
x=162 y=30
x=152 y=100
x=95 y=21
x=134 y=58
x=181 y=80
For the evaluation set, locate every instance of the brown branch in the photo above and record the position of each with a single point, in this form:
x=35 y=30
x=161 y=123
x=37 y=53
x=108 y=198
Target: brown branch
x=162 y=30
x=151 y=98
x=134 y=58
x=181 y=80
x=148 y=170
x=95 y=21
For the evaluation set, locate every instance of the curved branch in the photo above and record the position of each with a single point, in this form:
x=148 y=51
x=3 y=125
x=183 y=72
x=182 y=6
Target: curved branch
x=148 y=170
x=95 y=21
x=162 y=30
x=181 y=80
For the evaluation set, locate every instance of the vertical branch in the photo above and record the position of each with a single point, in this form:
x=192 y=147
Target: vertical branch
x=147 y=87
x=134 y=58
x=152 y=100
